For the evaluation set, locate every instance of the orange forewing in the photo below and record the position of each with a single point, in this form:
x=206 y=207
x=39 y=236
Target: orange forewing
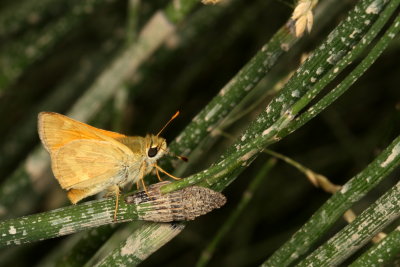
x=56 y=130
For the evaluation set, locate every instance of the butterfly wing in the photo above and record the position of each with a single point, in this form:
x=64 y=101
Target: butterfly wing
x=92 y=165
x=56 y=130
x=86 y=160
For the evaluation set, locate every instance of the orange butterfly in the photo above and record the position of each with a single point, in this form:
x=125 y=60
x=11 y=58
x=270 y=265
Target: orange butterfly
x=86 y=160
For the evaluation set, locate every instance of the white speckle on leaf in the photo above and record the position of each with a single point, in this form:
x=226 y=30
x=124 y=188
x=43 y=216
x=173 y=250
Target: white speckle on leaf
x=295 y=93
x=65 y=230
x=320 y=70
x=248 y=155
x=248 y=87
x=331 y=59
x=313 y=79
x=264 y=48
x=60 y=221
x=353 y=34
x=285 y=47
x=294 y=255
x=267 y=131
x=344 y=189
x=164 y=232
x=331 y=36
x=395 y=152
x=212 y=112
x=223 y=91
x=103 y=216
x=12 y=230
x=131 y=245
x=355 y=237
x=373 y=8
x=222 y=173
x=89 y=210
x=323 y=216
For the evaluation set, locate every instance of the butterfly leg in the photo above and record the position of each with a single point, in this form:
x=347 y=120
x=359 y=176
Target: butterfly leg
x=144 y=186
x=170 y=175
x=141 y=179
x=137 y=185
x=114 y=190
x=158 y=175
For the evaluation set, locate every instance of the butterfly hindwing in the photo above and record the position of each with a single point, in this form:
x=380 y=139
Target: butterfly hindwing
x=91 y=163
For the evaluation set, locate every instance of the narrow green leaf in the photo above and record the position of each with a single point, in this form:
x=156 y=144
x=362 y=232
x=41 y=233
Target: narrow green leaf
x=359 y=232
x=382 y=253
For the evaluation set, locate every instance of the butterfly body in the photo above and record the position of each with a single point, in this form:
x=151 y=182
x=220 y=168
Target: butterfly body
x=86 y=160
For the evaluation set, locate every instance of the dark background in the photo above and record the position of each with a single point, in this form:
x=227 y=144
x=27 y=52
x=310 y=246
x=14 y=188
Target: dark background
x=338 y=144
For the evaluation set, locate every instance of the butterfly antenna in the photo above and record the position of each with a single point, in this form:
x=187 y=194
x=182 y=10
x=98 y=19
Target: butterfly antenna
x=172 y=118
x=183 y=158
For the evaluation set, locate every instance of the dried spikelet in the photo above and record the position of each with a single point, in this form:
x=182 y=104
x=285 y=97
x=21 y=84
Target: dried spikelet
x=212 y=2
x=302 y=17
x=181 y=205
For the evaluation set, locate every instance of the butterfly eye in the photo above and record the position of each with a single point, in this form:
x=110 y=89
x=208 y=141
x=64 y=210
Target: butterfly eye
x=152 y=152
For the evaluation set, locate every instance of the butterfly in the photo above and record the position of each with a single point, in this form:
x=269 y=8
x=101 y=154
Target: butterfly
x=86 y=160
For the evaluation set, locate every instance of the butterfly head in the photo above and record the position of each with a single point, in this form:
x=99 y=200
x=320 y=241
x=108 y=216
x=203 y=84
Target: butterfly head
x=156 y=147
